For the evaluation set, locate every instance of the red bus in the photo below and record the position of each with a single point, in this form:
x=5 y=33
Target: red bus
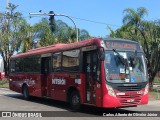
x=2 y=74
x=105 y=73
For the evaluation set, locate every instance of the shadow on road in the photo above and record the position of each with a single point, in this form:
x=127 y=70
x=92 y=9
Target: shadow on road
x=84 y=111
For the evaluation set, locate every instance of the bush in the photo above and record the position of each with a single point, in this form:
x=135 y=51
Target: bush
x=4 y=82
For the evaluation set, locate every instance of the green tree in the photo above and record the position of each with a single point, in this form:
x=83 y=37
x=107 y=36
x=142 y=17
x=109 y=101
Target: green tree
x=10 y=35
x=134 y=18
x=42 y=33
x=16 y=35
x=64 y=33
x=84 y=34
x=27 y=37
x=61 y=34
x=146 y=32
x=150 y=32
x=67 y=34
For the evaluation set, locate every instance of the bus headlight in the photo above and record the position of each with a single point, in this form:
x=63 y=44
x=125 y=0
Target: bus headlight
x=110 y=91
x=146 y=89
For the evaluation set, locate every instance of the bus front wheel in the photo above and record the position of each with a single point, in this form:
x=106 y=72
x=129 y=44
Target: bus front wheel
x=75 y=100
x=25 y=92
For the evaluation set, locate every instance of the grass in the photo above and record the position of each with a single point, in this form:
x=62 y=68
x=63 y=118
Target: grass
x=154 y=94
x=156 y=80
x=4 y=83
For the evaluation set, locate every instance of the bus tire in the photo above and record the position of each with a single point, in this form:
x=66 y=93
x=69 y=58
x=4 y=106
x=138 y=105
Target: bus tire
x=25 y=92
x=75 y=100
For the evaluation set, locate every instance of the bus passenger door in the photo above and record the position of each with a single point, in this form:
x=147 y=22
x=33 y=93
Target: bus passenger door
x=90 y=67
x=45 y=70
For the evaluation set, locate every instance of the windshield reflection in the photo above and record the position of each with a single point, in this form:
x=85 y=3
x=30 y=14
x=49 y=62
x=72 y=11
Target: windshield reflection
x=133 y=71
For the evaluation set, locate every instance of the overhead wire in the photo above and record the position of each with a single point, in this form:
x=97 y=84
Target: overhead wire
x=82 y=19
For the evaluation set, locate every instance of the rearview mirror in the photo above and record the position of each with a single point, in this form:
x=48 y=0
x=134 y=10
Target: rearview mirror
x=101 y=54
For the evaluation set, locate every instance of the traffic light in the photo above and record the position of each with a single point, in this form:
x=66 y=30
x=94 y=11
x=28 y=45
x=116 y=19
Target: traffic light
x=52 y=21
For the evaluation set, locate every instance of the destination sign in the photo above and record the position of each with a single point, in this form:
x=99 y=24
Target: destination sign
x=121 y=45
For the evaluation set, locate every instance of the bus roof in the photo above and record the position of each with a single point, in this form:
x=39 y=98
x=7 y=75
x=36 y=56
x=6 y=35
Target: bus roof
x=62 y=47
x=58 y=47
x=120 y=40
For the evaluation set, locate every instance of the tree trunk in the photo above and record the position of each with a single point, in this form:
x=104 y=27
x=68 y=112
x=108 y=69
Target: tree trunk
x=6 y=67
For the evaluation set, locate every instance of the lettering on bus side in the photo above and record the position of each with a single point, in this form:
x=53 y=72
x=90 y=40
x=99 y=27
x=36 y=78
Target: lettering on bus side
x=58 y=81
x=30 y=81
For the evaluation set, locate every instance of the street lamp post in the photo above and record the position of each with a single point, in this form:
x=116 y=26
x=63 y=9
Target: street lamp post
x=53 y=14
x=6 y=6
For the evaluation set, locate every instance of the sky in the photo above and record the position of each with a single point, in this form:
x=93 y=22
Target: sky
x=103 y=12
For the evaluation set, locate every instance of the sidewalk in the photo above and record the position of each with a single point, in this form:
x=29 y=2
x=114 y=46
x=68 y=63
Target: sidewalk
x=154 y=103
x=4 y=91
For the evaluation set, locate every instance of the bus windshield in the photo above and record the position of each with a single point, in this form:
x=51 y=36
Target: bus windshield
x=125 y=67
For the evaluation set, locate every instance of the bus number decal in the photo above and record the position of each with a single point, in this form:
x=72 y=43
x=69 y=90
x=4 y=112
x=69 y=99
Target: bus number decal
x=78 y=81
x=58 y=81
x=29 y=81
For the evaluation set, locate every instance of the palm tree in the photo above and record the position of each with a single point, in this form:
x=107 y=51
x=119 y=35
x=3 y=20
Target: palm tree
x=43 y=36
x=61 y=32
x=42 y=33
x=64 y=33
x=134 y=18
x=147 y=32
x=84 y=34
x=27 y=37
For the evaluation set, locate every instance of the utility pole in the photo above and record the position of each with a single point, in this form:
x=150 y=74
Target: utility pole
x=6 y=6
x=7 y=28
x=52 y=14
x=7 y=12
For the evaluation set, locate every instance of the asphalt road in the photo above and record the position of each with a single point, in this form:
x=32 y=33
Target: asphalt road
x=13 y=102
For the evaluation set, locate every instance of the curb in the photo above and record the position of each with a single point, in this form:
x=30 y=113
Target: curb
x=154 y=102
x=7 y=89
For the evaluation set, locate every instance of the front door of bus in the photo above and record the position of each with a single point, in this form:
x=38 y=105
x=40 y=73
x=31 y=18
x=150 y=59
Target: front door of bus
x=90 y=63
x=45 y=70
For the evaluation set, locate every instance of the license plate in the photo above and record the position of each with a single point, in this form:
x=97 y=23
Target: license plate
x=130 y=100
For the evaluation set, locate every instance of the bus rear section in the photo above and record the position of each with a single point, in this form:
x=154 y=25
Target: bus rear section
x=2 y=74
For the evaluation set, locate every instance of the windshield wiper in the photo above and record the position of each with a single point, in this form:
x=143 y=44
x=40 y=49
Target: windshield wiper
x=122 y=60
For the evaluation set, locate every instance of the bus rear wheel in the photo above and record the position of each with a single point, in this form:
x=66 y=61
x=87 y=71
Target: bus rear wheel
x=25 y=92
x=75 y=100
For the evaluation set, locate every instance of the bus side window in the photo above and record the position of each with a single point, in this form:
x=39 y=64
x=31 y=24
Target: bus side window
x=12 y=66
x=32 y=64
x=56 y=62
x=70 y=60
x=19 y=65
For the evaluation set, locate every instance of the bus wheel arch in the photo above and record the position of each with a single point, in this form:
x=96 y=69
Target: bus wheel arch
x=25 y=91
x=73 y=97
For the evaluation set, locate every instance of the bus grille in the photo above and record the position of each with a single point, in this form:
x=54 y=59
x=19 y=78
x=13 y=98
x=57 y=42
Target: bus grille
x=129 y=88
x=126 y=103
x=129 y=96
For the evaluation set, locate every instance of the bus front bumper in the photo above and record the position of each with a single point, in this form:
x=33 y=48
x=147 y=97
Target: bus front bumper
x=115 y=102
